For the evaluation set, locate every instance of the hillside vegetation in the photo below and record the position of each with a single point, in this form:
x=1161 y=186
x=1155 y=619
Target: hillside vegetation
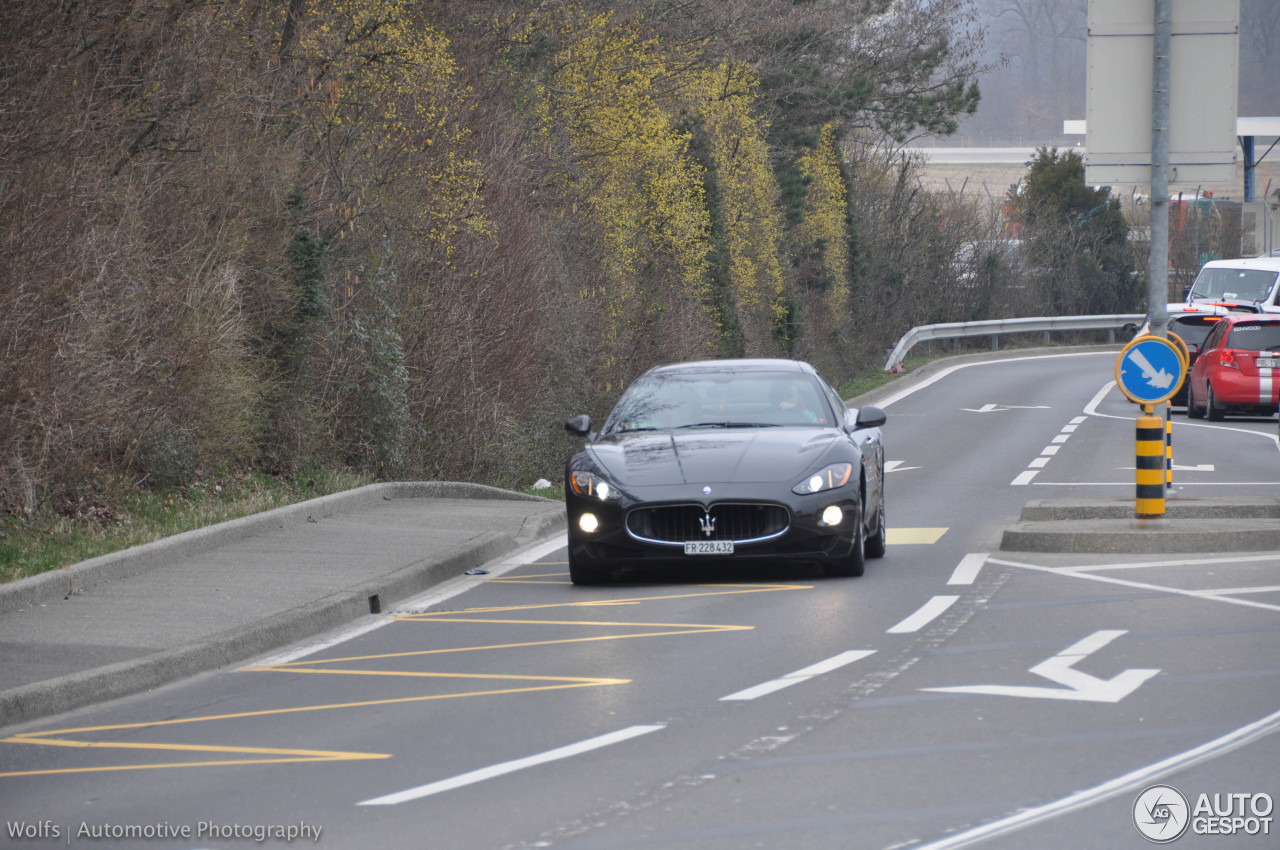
x=407 y=239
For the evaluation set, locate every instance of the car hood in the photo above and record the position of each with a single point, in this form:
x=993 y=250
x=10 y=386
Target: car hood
x=712 y=456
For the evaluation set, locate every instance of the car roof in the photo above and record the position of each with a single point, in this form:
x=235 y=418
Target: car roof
x=1271 y=264
x=758 y=364
x=1264 y=318
x=1206 y=308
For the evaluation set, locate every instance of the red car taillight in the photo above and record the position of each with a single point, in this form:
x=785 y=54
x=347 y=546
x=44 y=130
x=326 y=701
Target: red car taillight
x=1228 y=359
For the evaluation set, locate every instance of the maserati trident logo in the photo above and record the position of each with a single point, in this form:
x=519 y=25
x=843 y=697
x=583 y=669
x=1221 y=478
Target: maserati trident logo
x=707 y=523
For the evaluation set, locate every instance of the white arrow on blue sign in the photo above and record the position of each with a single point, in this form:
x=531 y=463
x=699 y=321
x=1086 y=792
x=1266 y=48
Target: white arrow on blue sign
x=1149 y=370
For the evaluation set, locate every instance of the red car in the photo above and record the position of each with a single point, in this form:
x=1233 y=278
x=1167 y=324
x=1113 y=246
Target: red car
x=1238 y=369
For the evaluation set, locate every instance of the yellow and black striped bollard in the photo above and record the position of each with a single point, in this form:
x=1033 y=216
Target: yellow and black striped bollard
x=1151 y=466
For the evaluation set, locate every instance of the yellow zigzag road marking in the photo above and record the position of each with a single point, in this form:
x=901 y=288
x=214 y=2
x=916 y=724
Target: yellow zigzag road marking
x=282 y=754
x=676 y=629
x=56 y=738
x=307 y=755
x=735 y=590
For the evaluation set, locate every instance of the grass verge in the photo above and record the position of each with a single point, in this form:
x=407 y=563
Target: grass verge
x=873 y=379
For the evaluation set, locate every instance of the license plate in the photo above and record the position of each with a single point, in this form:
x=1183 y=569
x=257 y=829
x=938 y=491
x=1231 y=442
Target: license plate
x=709 y=547
x=1268 y=362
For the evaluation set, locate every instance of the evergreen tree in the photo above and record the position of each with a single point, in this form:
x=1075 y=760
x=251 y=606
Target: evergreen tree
x=1076 y=239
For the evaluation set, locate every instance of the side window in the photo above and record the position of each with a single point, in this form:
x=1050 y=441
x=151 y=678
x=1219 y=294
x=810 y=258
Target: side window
x=1216 y=337
x=837 y=403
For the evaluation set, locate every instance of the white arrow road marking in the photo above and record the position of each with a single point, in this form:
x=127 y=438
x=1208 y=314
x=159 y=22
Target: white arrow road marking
x=896 y=466
x=1077 y=685
x=1160 y=380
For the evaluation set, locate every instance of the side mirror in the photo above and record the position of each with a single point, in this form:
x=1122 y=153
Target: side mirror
x=870 y=417
x=578 y=426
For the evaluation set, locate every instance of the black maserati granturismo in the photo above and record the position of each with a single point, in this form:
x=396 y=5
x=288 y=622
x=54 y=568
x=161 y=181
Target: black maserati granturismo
x=724 y=461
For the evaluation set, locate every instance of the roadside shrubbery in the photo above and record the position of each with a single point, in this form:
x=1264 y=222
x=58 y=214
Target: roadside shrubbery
x=408 y=238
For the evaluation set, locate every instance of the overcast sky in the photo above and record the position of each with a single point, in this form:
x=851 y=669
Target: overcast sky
x=1038 y=48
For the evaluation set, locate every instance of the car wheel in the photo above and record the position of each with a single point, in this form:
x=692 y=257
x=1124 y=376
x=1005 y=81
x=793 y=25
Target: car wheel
x=855 y=562
x=1212 y=410
x=878 y=542
x=585 y=573
x=1193 y=412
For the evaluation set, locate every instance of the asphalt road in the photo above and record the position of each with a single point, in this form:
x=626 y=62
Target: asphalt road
x=955 y=695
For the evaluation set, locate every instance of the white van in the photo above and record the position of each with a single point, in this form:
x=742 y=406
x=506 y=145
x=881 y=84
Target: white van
x=1255 y=281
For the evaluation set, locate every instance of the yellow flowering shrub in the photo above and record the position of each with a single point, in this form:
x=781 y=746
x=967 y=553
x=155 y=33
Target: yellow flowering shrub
x=612 y=103
x=387 y=103
x=825 y=215
x=748 y=196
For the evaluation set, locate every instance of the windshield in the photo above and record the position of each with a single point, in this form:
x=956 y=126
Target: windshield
x=1257 y=336
x=728 y=400
x=1233 y=284
x=1193 y=329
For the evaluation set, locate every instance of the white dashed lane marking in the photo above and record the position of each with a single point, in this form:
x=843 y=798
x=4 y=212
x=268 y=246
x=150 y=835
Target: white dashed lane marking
x=1028 y=475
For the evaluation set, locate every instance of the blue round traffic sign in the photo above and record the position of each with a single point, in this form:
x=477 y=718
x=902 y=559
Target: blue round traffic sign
x=1150 y=369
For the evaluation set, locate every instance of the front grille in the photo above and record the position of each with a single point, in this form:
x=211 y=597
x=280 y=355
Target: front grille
x=741 y=523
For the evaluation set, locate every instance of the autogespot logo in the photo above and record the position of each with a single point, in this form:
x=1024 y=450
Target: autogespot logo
x=1161 y=814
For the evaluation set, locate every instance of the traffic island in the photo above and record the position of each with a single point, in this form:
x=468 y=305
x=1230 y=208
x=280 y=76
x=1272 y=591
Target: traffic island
x=1107 y=525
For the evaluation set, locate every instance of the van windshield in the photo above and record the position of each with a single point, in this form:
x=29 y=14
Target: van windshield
x=1233 y=284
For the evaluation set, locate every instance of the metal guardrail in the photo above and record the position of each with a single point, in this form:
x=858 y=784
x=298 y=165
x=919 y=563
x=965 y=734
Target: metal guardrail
x=995 y=327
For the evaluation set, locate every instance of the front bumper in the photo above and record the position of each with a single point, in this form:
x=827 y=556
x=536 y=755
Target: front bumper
x=806 y=539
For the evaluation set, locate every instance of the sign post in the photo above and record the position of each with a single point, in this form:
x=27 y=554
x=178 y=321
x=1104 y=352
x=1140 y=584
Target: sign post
x=1149 y=371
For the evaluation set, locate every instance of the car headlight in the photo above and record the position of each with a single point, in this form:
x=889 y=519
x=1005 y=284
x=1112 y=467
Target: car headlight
x=590 y=484
x=835 y=475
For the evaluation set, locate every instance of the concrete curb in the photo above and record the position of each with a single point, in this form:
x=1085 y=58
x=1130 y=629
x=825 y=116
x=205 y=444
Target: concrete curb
x=1190 y=525
x=66 y=693
x=56 y=584
x=1211 y=507
x=1142 y=537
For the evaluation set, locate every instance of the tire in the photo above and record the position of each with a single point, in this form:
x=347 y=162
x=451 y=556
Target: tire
x=878 y=542
x=1213 y=412
x=586 y=573
x=1193 y=412
x=855 y=562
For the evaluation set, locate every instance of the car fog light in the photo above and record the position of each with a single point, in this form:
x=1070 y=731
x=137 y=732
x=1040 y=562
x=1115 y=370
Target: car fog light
x=832 y=515
x=588 y=523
